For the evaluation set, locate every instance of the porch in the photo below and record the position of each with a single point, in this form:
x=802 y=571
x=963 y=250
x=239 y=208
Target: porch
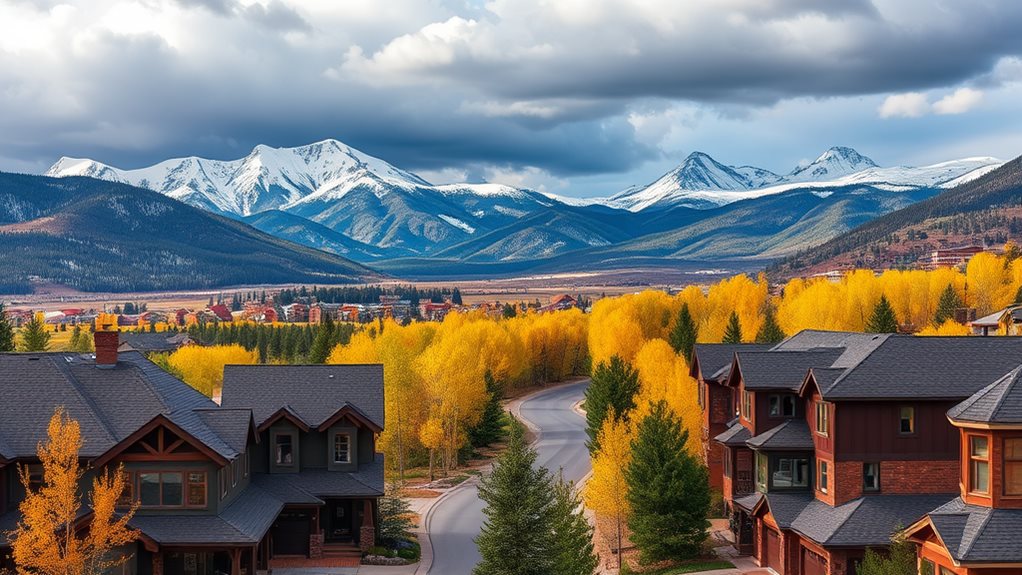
x=332 y=534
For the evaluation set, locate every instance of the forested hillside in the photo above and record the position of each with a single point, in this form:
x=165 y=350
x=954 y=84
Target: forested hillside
x=94 y=235
x=987 y=210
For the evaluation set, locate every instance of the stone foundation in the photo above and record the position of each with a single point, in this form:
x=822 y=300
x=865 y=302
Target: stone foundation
x=316 y=546
x=366 y=537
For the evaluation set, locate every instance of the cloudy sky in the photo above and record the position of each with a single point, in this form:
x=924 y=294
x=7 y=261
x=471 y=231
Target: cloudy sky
x=577 y=97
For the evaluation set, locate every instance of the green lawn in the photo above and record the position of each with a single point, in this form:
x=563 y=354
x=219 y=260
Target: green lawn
x=679 y=569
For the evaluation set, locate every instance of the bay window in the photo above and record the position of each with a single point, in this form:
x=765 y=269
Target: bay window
x=979 y=464
x=1013 y=466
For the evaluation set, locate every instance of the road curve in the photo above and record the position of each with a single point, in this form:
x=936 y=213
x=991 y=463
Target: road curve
x=455 y=521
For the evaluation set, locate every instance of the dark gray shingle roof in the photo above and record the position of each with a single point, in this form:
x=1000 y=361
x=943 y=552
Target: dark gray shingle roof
x=911 y=367
x=976 y=534
x=715 y=358
x=864 y=522
x=312 y=392
x=1000 y=402
x=735 y=436
x=153 y=342
x=310 y=486
x=792 y=435
x=109 y=404
x=764 y=370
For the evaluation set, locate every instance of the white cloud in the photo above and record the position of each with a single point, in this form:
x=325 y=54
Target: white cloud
x=958 y=102
x=908 y=105
x=527 y=177
x=917 y=104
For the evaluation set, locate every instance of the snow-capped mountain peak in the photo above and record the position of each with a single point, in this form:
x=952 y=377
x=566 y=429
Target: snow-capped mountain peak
x=834 y=163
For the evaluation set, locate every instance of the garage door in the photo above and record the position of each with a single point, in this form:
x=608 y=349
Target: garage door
x=812 y=563
x=773 y=550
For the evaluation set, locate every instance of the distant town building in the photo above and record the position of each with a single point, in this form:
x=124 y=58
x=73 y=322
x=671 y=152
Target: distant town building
x=951 y=257
x=1007 y=321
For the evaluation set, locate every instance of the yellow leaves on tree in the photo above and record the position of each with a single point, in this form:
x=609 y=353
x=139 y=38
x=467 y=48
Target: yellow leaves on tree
x=621 y=325
x=47 y=541
x=203 y=367
x=949 y=327
x=990 y=283
x=606 y=492
x=664 y=375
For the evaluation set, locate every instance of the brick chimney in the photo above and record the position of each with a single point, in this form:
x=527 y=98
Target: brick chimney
x=106 y=348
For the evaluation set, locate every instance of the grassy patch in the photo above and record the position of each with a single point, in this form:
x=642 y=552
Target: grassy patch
x=689 y=567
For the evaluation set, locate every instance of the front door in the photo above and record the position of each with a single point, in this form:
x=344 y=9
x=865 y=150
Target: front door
x=773 y=550
x=340 y=518
x=291 y=533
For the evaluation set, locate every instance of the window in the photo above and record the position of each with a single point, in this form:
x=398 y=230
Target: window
x=196 y=494
x=946 y=571
x=907 y=421
x=342 y=448
x=285 y=449
x=782 y=406
x=822 y=418
x=161 y=489
x=35 y=476
x=871 y=477
x=926 y=567
x=128 y=495
x=747 y=405
x=702 y=395
x=791 y=472
x=727 y=462
x=822 y=477
x=1013 y=466
x=762 y=469
x=979 y=468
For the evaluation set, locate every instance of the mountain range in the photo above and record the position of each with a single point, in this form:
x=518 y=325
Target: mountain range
x=95 y=235
x=334 y=198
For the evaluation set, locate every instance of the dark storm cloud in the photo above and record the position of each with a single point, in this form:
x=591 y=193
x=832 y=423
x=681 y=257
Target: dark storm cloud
x=519 y=83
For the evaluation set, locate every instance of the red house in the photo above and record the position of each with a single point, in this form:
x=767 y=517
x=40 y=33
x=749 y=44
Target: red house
x=978 y=532
x=847 y=439
x=222 y=312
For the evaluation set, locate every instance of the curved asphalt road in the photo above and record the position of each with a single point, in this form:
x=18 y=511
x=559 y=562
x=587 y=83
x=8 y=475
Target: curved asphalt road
x=455 y=521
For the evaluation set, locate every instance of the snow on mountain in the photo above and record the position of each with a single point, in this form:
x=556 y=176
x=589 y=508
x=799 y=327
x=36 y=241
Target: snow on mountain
x=702 y=183
x=834 y=163
x=268 y=178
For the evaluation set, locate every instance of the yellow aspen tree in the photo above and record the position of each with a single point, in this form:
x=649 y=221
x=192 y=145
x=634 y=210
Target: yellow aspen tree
x=46 y=540
x=203 y=367
x=606 y=492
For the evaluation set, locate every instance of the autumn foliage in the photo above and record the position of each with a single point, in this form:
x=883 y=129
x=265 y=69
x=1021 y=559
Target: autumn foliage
x=49 y=538
x=203 y=367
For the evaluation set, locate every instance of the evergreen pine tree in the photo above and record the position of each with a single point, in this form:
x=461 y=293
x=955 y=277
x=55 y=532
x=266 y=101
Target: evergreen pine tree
x=883 y=319
x=80 y=341
x=6 y=331
x=611 y=391
x=516 y=534
x=395 y=517
x=491 y=424
x=1018 y=295
x=683 y=335
x=572 y=537
x=277 y=343
x=668 y=490
x=947 y=305
x=770 y=331
x=34 y=336
x=899 y=560
x=733 y=331
x=456 y=297
x=263 y=344
x=321 y=345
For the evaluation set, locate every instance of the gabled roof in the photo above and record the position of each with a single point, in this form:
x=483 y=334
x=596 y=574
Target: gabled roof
x=999 y=403
x=778 y=370
x=714 y=359
x=152 y=342
x=110 y=405
x=868 y=521
x=973 y=534
x=735 y=436
x=854 y=346
x=314 y=393
x=792 y=435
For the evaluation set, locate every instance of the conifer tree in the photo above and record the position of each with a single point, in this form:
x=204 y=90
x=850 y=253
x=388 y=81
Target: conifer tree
x=516 y=534
x=81 y=342
x=883 y=319
x=611 y=391
x=572 y=536
x=668 y=490
x=899 y=560
x=733 y=331
x=34 y=336
x=947 y=305
x=491 y=424
x=395 y=516
x=684 y=333
x=6 y=331
x=321 y=345
x=770 y=331
x=1018 y=295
